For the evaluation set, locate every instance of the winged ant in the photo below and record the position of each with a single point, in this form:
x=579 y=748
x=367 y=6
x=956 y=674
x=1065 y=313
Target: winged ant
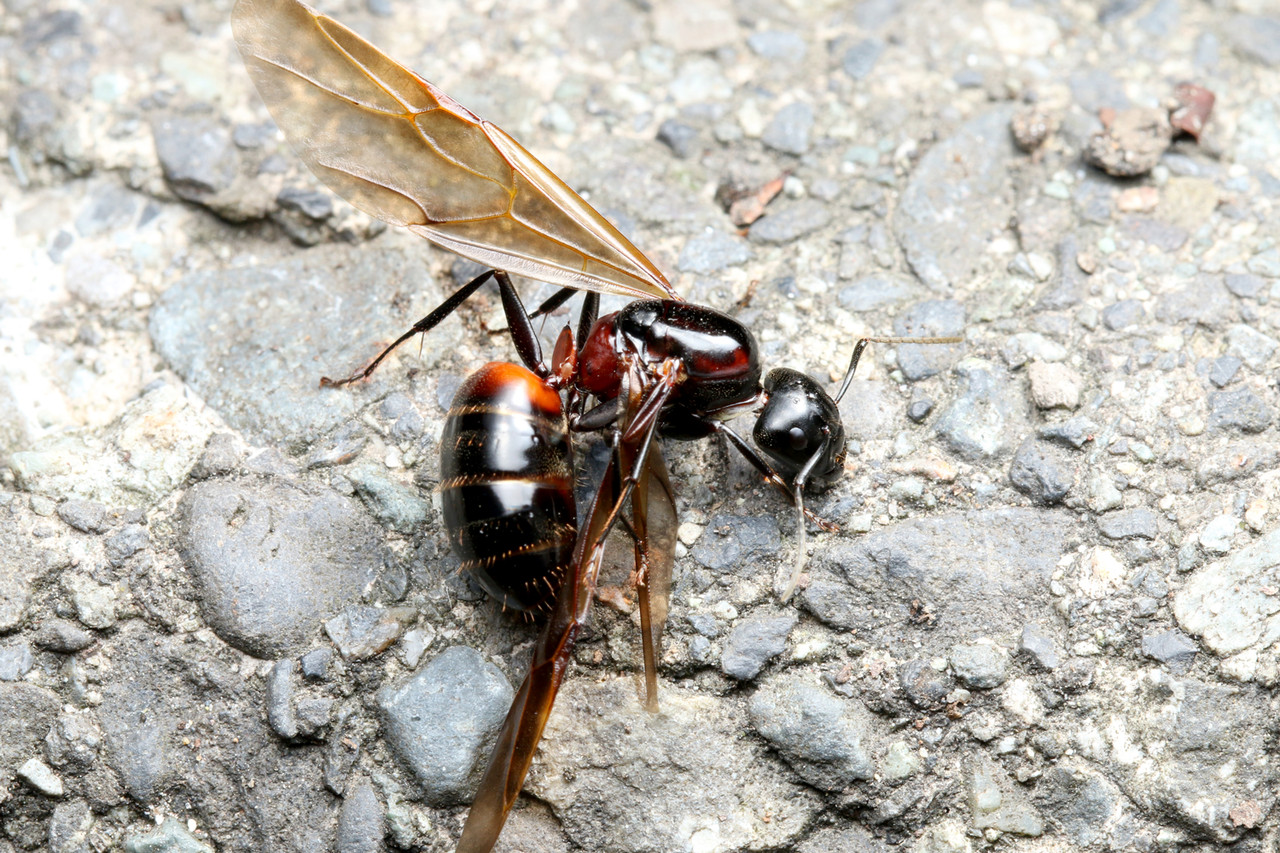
x=400 y=149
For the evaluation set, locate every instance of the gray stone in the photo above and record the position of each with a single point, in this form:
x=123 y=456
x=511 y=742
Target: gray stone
x=859 y=59
x=755 y=641
x=1240 y=410
x=310 y=203
x=41 y=777
x=919 y=409
x=16 y=661
x=1136 y=523
x=1245 y=285
x=1172 y=648
x=1083 y=804
x=1206 y=302
x=1223 y=369
x=126 y=542
x=982 y=421
x=259 y=369
x=1230 y=603
x=1067 y=287
x=1040 y=647
x=315 y=663
x=272 y=560
x=979 y=665
x=361 y=631
x=877 y=291
x=170 y=837
x=222 y=455
x=1075 y=432
x=732 y=541
x=997 y=562
x=1257 y=37
x=681 y=138
x=934 y=318
x=279 y=696
x=788 y=131
x=72 y=742
x=361 y=821
x=111 y=208
x=1123 y=314
x=843 y=838
x=197 y=155
x=69 y=827
x=819 y=735
x=397 y=505
x=443 y=720
x=1042 y=471
x=925 y=686
x=1266 y=263
x=602 y=754
x=962 y=179
x=777 y=45
x=790 y=222
x=1250 y=346
x=59 y=635
x=26 y=711
x=711 y=252
x=85 y=516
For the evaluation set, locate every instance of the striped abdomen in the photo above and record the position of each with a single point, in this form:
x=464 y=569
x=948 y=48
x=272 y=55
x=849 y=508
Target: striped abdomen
x=506 y=471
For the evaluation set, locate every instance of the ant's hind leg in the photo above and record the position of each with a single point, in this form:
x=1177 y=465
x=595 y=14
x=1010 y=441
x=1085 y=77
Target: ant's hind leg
x=423 y=326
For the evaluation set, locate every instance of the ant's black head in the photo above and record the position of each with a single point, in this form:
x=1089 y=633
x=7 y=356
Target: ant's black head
x=799 y=422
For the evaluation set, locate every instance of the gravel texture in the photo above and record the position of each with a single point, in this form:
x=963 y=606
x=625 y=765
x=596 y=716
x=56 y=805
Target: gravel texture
x=1050 y=620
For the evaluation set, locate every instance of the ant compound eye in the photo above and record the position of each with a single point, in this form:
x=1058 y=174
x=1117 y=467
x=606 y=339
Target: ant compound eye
x=798 y=439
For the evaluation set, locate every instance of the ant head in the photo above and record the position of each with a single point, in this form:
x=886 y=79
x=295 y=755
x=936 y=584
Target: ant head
x=800 y=421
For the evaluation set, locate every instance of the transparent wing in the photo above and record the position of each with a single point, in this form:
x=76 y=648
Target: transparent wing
x=400 y=149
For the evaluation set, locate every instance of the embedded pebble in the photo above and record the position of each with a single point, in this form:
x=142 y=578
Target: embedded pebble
x=85 y=516
x=170 y=837
x=362 y=631
x=1240 y=410
x=38 y=775
x=755 y=641
x=785 y=223
x=1139 y=522
x=361 y=821
x=983 y=418
x=16 y=661
x=979 y=665
x=1042 y=471
x=1172 y=648
x=1040 y=647
x=1054 y=386
x=442 y=721
x=789 y=130
x=729 y=541
x=713 y=251
x=273 y=559
x=820 y=736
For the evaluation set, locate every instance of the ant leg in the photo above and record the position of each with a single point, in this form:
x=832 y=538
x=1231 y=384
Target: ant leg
x=770 y=475
x=598 y=417
x=801 y=533
x=520 y=324
x=423 y=326
x=553 y=302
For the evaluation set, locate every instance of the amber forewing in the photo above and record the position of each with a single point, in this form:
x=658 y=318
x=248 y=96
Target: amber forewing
x=400 y=149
